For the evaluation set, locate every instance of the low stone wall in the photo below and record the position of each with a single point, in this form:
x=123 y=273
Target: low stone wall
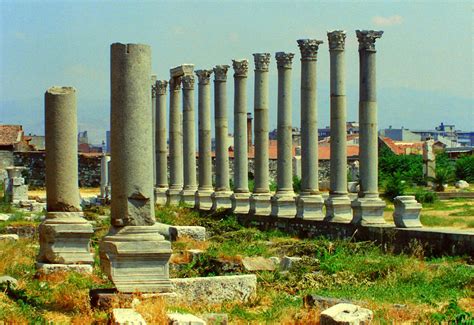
x=435 y=242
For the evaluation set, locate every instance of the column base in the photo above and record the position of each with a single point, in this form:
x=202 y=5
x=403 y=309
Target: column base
x=368 y=211
x=407 y=212
x=160 y=196
x=338 y=209
x=64 y=239
x=136 y=259
x=221 y=200
x=240 y=203
x=284 y=205
x=188 y=197
x=261 y=204
x=310 y=206
x=204 y=200
x=173 y=196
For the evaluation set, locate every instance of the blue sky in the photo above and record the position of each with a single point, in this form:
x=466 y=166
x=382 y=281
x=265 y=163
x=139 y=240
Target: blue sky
x=424 y=59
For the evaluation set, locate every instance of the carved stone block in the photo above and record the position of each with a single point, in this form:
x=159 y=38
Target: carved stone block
x=261 y=204
x=407 y=212
x=310 y=207
x=221 y=200
x=240 y=203
x=338 y=209
x=284 y=205
x=204 y=200
x=368 y=211
x=160 y=196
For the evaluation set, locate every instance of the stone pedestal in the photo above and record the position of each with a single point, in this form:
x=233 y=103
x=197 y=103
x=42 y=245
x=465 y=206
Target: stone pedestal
x=260 y=204
x=174 y=196
x=136 y=258
x=64 y=235
x=368 y=211
x=338 y=208
x=16 y=189
x=221 y=200
x=161 y=196
x=133 y=254
x=407 y=212
x=284 y=205
x=310 y=206
x=204 y=199
x=240 y=203
x=64 y=239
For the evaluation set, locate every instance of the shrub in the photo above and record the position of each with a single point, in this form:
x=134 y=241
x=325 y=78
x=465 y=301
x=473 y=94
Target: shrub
x=443 y=176
x=425 y=196
x=409 y=166
x=464 y=169
x=395 y=185
x=296 y=184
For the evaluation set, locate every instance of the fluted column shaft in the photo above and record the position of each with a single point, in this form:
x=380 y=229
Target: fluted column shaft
x=189 y=146
x=261 y=109
x=153 y=119
x=204 y=108
x=176 y=136
x=285 y=145
x=221 y=125
x=240 y=127
x=160 y=135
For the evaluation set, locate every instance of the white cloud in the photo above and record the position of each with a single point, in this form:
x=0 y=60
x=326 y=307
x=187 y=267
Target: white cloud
x=387 y=21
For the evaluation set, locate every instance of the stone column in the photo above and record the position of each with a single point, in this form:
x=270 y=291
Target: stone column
x=283 y=202
x=133 y=254
x=161 y=146
x=221 y=196
x=104 y=177
x=260 y=201
x=310 y=202
x=16 y=190
x=368 y=208
x=338 y=205
x=205 y=190
x=240 y=198
x=64 y=234
x=188 y=195
x=153 y=118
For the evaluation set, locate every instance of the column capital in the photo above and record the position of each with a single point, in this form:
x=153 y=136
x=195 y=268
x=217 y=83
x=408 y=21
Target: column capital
x=309 y=48
x=175 y=84
x=203 y=76
x=241 y=68
x=262 y=61
x=220 y=72
x=160 y=87
x=367 y=39
x=153 y=91
x=284 y=60
x=337 y=40
x=188 y=82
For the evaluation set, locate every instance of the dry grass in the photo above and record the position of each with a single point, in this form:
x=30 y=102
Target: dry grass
x=153 y=310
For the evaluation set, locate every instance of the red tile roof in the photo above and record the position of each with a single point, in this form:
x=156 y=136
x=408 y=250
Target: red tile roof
x=403 y=147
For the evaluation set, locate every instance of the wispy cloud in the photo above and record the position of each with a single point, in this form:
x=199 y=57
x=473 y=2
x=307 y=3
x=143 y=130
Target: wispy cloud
x=387 y=21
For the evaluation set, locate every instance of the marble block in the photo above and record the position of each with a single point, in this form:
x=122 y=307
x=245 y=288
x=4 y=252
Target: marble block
x=310 y=207
x=173 y=196
x=407 y=212
x=240 y=203
x=204 y=200
x=284 y=205
x=160 y=196
x=338 y=209
x=221 y=200
x=188 y=197
x=261 y=204
x=368 y=211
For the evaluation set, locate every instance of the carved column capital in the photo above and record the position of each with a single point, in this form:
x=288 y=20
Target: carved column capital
x=309 y=48
x=262 y=61
x=337 y=40
x=175 y=84
x=367 y=39
x=153 y=91
x=188 y=82
x=160 y=87
x=203 y=76
x=220 y=72
x=241 y=68
x=284 y=60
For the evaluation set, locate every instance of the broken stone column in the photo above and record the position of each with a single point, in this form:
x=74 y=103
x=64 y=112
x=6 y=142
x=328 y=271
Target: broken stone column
x=133 y=254
x=222 y=193
x=64 y=235
x=338 y=205
x=407 y=212
x=104 y=177
x=161 y=145
x=16 y=190
x=283 y=202
x=205 y=190
x=240 y=198
x=297 y=163
x=188 y=196
x=368 y=208
x=260 y=201
x=309 y=202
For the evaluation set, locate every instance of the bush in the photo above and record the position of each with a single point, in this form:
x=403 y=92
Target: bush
x=464 y=169
x=443 y=176
x=425 y=196
x=410 y=167
x=395 y=185
x=296 y=184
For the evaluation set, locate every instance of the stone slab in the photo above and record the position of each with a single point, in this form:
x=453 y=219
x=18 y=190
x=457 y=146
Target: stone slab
x=184 y=319
x=6 y=280
x=258 y=264
x=287 y=262
x=46 y=268
x=104 y=298
x=216 y=319
x=5 y=217
x=347 y=314
x=10 y=237
x=126 y=316
x=216 y=289
x=194 y=232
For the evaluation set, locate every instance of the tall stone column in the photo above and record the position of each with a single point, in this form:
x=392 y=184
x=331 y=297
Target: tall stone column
x=161 y=145
x=283 y=202
x=338 y=205
x=133 y=254
x=241 y=196
x=64 y=235
x=188 y=196
x=310 y=202
x=205 y=190
x=368 y=208
x=260 y=201
x=153 y=118
x=221 y=196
